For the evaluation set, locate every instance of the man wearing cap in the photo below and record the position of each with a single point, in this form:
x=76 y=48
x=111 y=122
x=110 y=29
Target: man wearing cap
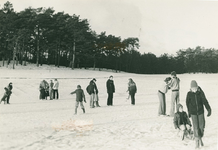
x=162 y=97
x=175 y=86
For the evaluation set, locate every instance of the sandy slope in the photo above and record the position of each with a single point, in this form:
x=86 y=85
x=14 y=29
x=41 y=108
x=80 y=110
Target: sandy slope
x=31 y=124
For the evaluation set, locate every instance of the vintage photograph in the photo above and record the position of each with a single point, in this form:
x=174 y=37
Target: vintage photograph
x=108 y=74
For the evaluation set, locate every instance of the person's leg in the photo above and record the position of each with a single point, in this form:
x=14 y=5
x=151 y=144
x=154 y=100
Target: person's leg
x=112 y=99
x=133 y=98
x=8 y=98
x=108 y=99
x=57 y=94
x=177 y=97
x=92 y=100
x=172 y=110
x=164 y=105
x=160 y=109
x=76 y=106
x=54 y=92
x=82 y=107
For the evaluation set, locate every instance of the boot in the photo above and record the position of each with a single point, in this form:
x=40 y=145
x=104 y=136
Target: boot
x=75 y=111
x=196 y=143
x=201 y=142
x=97 y=104
x=83 y=110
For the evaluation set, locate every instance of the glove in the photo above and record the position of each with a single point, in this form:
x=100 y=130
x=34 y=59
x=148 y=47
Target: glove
x=209 y=113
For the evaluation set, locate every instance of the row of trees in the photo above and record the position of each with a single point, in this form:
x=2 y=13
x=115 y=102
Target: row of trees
x=42 y=36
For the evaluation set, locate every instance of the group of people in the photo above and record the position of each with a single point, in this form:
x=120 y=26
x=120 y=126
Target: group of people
x=49 y=89
x=7 y=94
x=195 y=103
x=92 y=90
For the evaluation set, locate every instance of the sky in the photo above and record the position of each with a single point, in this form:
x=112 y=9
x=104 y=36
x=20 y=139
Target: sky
x=162 y=26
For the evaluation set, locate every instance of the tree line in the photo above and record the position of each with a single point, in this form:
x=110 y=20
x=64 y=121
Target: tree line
x=43 y=36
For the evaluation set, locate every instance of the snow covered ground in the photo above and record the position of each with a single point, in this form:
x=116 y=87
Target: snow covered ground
x=32 y=124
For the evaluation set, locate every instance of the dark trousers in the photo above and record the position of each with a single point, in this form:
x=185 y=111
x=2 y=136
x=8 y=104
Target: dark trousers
x=110 y=99
x=132 y=98
x=55 y=92
x=198 y=122
x=8 y=98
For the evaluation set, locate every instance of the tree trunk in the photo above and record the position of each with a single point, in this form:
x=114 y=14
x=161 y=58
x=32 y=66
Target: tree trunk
x=14 y=54
x=74 y=51
x=3 y=61
x=37 y=57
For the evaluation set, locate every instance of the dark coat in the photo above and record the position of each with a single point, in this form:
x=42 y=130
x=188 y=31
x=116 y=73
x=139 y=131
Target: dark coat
x=132 y=88
x=79 y=95
x=92 y=88
x=195 y=102
x=110 y=86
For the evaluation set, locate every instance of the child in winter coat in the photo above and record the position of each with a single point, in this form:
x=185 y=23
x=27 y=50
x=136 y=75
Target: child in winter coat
x=195 y=102
x=79 y=98
x=181 y=121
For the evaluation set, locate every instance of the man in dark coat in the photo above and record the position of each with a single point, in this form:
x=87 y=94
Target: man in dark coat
x=195 y=102
x=110 y=90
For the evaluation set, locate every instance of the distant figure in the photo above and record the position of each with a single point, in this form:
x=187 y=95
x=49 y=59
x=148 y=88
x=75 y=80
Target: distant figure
x=175 y=86
x=55 y=89
x=162 y=97
x=6 y=93
x=79 y=98
x=46 y=89
x=195 y=102
x=110 y=90
x=182 y=122
x=42 y=88
x=132 y=90
x=51 y=84
x=10 y=87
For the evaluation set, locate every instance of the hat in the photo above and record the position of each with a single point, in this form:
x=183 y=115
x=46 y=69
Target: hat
x=167 y=79
x=194 y=84
x=173 y=73
x=94 y=79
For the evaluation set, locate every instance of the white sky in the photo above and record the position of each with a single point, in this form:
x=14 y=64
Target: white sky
x=162 y=26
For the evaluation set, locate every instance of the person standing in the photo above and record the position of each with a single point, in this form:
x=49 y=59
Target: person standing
x=110 y=90
x=10 y=87
x=79 y=98
x=195 y=102
x=55 y=89
x=51 y=84
x=162 y=97
x=132 y=90
x=175 y=86
x=42 y=90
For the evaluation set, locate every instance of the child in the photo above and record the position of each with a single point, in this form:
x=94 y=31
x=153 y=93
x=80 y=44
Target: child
x=195 y=102
x=7 y=92
x=79 y=98
x=181 y=121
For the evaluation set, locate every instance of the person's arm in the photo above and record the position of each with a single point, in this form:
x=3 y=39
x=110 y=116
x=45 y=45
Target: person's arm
x=205 y=102
x=73 y=92
x=187 y=104
x=187 y=119
x=84 y=96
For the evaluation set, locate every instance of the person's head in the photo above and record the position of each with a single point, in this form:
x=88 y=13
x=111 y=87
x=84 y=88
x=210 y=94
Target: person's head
x=10 y=83
x=194 y=86
x=56 y=79
x=179 y=108
x=78 y=87
x=167 y=80
x=51 y=80
x=111 y=77
x=94 y=80
x=130 y=80
x=173 y=74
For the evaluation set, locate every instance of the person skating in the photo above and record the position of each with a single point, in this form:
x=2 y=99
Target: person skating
x=195 y=102
x=80 y=96
x=132 y=90
x=110 y=90
x=182 y=122
x=162 y=97
x=175 y=87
